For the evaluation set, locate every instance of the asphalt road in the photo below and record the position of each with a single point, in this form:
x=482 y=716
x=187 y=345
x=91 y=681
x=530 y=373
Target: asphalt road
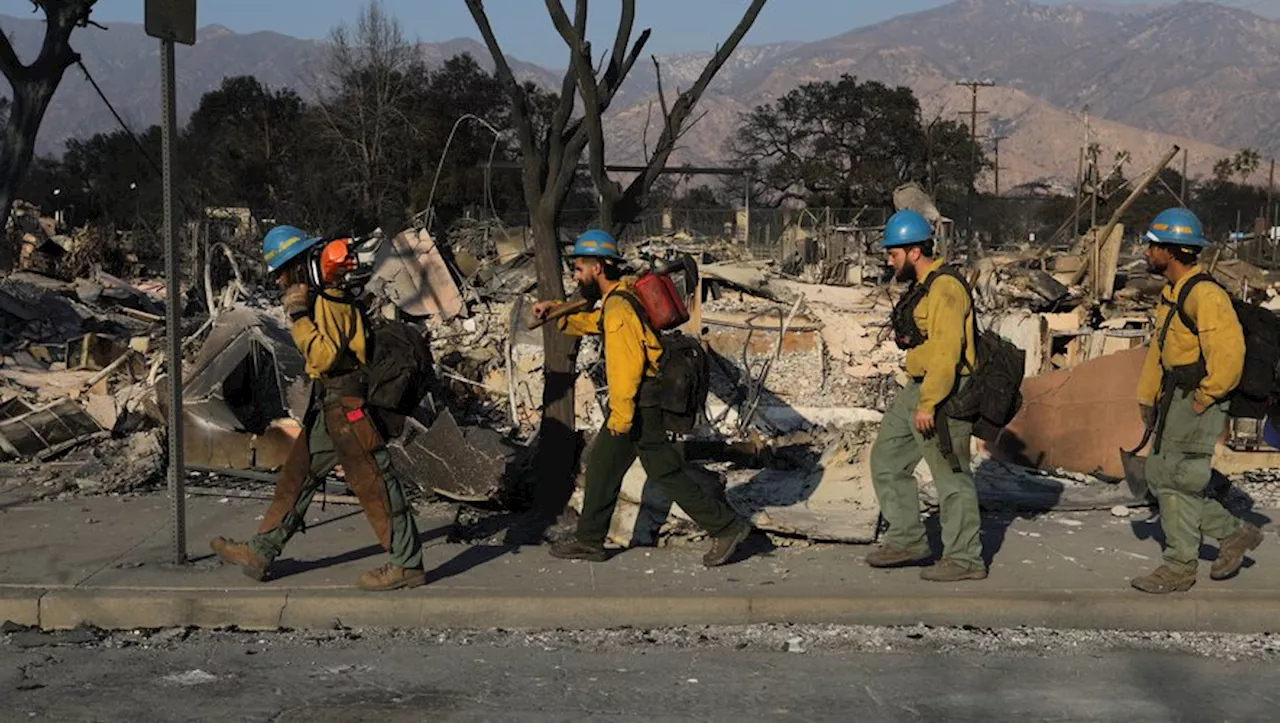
x=781 y=674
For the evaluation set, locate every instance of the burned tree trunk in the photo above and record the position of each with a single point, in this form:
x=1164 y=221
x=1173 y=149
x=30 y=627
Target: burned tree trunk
x=33 y=88
x=557 y=438
x=29 y=104
x=550 y=146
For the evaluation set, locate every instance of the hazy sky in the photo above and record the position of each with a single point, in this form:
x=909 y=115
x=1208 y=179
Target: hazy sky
x=525 y=31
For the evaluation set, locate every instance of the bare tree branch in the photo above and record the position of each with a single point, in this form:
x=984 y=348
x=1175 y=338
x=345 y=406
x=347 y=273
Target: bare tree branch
x=632 y=198
x=580 y=57
x=689 y=126
x=618 y=66
x=521 y=115
x=662 y=95
x=502 y=70
x=556 y=152
x=565 y=109
x=644 y=135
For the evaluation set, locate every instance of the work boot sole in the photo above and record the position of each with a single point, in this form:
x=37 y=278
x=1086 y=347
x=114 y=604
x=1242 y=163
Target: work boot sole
x=417 y=580
x=738 y=538
x=252 y=572
x=970 y=575
x=600 y=556
x=911 y=561
x=1235 y=567
x=1155 y=589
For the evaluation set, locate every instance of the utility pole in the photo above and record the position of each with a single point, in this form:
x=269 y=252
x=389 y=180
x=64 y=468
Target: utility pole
x=1095 y=184
x=973 y=86
x=1093 y=170
x=995 y=140
x=1075 y=214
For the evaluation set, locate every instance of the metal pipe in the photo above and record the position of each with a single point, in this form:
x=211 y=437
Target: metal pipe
x=1133 y=197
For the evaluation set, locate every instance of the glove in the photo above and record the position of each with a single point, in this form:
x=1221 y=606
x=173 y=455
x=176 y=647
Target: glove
x=296 y=301
x=1148 y=413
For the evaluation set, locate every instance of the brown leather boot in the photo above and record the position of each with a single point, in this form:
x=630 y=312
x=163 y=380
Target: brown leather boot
x=889 y=556
x=723 y=546
x=1231 y=551
x=241 y=555
x=1165 y=580
x=575 y=549
x=948 y=570
x=392 y=577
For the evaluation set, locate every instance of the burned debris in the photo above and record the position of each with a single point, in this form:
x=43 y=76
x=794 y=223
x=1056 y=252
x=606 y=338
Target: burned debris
x=803 y=364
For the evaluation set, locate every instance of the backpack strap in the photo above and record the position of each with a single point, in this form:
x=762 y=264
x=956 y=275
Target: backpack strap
x=1180 y=306
x=955 y=274
x=941 y=417
x=640 y=313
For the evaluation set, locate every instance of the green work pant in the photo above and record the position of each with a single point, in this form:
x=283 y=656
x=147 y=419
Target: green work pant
x=295 y=495
x=1178 y=475
x=897 y=450
x=612 y=455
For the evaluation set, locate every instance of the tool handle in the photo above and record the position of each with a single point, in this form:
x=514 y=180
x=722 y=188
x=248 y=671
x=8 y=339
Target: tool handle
x=1146 y=437
x=565 y=309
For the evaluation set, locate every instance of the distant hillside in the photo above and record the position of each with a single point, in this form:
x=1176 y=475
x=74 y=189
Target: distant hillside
x=1198 y=74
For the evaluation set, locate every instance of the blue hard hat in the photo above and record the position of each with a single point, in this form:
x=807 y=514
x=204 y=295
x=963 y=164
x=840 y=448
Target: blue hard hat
x=1176 y=227
x=283 y=243
x=905 y=228
x=596 y=243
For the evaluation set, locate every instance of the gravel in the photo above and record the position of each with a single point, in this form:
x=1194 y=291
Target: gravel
x=810 y=639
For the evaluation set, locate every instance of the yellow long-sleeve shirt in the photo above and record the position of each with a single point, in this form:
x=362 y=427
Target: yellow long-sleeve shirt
x=324 y=336
x=631 y=351
x=945 y=317
x=1220 y=341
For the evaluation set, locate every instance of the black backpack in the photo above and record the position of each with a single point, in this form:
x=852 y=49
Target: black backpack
x=1258 y=381
x=399 y=370
x=993 y=395
x=683 y=375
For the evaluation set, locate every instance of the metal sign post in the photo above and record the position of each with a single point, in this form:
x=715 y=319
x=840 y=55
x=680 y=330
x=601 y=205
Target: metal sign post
x=172 y=21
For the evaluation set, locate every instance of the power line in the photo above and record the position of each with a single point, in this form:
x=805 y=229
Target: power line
x=132 y=136
x=187 y=205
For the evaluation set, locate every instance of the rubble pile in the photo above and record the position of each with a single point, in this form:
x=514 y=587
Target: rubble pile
x=803 y=365
x=75 y=384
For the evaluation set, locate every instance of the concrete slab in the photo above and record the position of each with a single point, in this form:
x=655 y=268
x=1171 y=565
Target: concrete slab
x=1057 y=570
x=62 y=544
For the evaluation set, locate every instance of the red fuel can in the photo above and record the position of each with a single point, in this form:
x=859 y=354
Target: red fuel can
x=661 y=302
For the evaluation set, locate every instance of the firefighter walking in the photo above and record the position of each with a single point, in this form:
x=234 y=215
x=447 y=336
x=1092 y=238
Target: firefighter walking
x=934 y=321
x=330 y=332
x=635 y=422
x=1186 y=379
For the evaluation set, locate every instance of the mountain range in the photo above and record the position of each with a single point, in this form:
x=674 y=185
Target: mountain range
x=1202 y=75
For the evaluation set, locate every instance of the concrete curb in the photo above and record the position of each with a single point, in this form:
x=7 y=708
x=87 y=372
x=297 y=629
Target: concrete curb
x=21 y=605
x=117 y=608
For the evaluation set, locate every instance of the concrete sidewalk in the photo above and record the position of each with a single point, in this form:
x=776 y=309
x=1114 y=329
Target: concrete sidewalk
x=104 y=561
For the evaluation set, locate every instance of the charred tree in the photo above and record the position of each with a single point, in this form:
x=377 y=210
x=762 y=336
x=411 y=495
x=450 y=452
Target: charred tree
x=551 y=145
x=619 y=205
x=33 y=87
